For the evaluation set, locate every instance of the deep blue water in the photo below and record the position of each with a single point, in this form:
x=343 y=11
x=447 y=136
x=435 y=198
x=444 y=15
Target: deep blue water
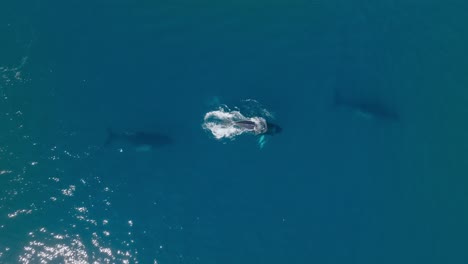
x=334 y=187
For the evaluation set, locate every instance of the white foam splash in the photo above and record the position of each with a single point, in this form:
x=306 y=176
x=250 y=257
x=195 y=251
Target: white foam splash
x=221 y=123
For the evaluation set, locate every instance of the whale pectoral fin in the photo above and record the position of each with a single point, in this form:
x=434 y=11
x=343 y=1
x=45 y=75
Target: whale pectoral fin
x=363 y=114
x=144 y=148
x=262 y=141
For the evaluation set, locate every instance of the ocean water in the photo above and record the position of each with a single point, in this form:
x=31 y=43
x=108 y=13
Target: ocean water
x=335 y=186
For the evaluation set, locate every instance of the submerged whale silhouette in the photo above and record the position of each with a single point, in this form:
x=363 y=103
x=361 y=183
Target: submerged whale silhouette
x=367 y=108
x=142 y=141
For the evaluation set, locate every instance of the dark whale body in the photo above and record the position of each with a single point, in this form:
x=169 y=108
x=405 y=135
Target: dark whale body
x=272 y=129
x=140 y=140
x=246 y=124
x=369 y=108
